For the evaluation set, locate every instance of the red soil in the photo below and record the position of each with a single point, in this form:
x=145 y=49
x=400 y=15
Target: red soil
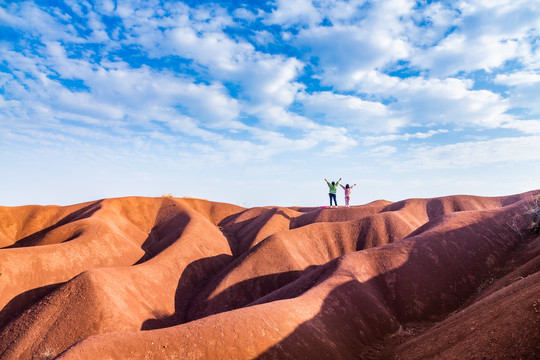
x=452 y=277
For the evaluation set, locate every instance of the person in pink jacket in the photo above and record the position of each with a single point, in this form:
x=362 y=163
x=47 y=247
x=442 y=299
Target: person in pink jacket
x=347 y=189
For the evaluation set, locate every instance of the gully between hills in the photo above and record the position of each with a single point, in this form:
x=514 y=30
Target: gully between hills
x=171 y=278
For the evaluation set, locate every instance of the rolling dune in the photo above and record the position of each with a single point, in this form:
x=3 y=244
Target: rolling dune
x=132 y=278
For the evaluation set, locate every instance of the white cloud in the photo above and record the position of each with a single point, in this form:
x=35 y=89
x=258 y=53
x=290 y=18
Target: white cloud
x=432 y=23
x=114 y=95
x=435 y=101
x=470 y=154
x=383 y=151
x=459 y=52
x=344 y=50
x=525 y=126
x=270 y=80
x=310 y=133
x=371 y=140
x=486 y=35
x=37 y=22
x=244 y=14
x=262 y=78
x=124 y=9
x=212 y=49
x=263 y=81
x=359 y=38
x=118 y=96
x=294 y=12
x=518 y=78
x=99 y=30
x=350 y=112
x=263 y=37
x=525 y=90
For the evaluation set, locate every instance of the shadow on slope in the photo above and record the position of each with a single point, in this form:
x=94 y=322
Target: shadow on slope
x=350 y=304
x=168 y=228
x=38 y=238
x=439 y=275
x=194 y=276
x=125 y=298
x=250 y=227
x=21 y=302
x=500 y=321
x=296 y=251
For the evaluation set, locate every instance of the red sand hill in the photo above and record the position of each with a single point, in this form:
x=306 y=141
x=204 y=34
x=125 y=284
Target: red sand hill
x=132 y=278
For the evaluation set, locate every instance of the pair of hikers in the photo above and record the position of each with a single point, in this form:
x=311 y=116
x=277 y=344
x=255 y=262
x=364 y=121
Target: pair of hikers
x=333 y=188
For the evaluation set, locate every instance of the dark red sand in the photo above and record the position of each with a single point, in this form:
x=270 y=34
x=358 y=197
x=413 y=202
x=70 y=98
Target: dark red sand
x=454 y=277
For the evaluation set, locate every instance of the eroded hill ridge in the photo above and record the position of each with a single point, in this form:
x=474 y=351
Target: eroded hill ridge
x=452 y=277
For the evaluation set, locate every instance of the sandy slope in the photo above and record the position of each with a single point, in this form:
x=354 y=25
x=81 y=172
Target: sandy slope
x=185 y=278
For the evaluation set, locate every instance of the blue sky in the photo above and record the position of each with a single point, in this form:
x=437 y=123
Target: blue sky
x=256 y=102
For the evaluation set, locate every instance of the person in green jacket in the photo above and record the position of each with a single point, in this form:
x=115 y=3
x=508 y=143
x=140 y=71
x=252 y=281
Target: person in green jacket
x=332 y=193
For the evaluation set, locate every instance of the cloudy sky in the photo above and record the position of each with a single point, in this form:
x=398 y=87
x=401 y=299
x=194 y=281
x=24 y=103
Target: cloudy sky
x=256 y=102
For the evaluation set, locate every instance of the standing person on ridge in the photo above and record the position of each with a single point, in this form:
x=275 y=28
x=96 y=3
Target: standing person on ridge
x=332 y=192
x=347 y=189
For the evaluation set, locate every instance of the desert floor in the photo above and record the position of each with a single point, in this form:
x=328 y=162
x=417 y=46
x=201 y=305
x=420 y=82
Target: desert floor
x=453 y=277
